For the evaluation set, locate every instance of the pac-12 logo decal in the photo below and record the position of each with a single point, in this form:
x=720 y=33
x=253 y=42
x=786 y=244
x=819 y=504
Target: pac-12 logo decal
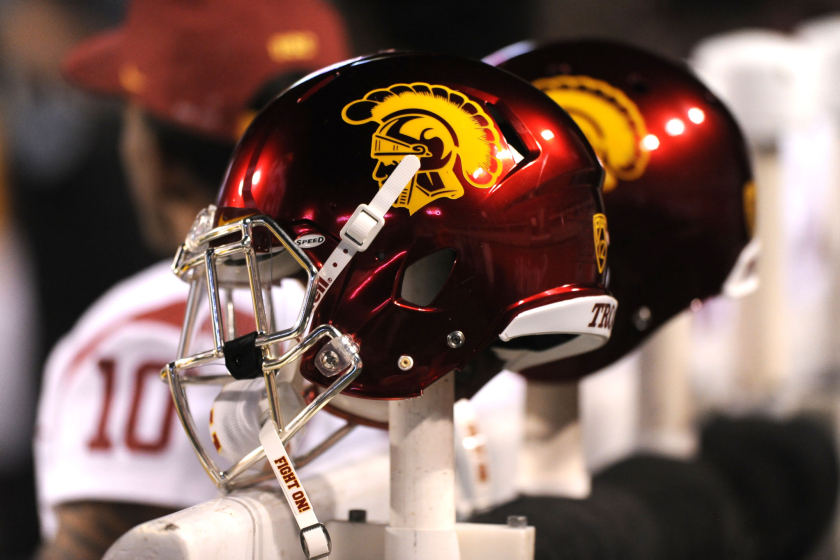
x=602 y=242
x=456 y=141
x=748 y=193
x=610 y=121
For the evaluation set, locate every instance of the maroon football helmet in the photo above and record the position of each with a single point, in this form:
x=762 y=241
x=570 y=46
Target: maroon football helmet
x=678 y=189
x=497 y=232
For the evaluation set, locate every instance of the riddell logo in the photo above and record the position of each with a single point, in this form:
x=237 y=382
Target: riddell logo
x=606 y=312
x=310 y=240
x=320 y=288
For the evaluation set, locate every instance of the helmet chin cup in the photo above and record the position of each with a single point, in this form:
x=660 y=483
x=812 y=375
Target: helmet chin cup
x=227 y=257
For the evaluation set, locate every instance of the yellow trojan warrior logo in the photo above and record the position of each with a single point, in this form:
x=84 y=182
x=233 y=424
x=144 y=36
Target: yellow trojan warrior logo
x=454 y=138
x=610 y=120
x=599 y=226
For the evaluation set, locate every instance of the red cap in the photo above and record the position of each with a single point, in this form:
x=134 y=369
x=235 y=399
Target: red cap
x=197 y=63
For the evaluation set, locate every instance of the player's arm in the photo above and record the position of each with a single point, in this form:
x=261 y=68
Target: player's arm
x=87 y=529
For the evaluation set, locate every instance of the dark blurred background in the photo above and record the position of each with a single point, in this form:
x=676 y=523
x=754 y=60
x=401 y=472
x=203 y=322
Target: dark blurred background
x=476 y=28
x=71 y=228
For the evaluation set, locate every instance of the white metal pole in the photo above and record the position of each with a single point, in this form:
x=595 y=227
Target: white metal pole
x=552 y=460
x=422 y=520
x=764 y=336
x=667 y=407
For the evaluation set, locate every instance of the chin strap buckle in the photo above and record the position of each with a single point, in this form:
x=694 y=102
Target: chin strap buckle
x=315 y=541
x=314 y=538
x=368 y=219
x=363 y=226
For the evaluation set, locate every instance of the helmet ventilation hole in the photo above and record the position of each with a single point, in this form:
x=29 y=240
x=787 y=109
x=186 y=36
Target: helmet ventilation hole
x=508 y=131
x=424 y=279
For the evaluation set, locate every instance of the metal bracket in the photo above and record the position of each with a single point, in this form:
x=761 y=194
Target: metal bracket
x=336 y=356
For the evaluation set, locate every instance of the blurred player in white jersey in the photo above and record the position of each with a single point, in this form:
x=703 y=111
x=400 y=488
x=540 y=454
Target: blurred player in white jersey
x=109 y=451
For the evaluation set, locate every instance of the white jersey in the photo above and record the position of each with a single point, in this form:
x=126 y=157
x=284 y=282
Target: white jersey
x=107 y=427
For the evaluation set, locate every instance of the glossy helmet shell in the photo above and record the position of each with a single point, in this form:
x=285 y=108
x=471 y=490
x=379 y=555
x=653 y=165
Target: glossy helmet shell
x=520 y=232
x=678 y=194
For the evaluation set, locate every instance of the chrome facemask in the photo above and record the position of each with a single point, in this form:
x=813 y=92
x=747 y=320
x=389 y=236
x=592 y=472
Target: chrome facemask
x=253 y=253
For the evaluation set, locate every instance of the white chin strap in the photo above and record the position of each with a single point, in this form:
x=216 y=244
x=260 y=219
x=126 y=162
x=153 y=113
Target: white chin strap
x=314 y=537
x=363 y=226
x=356 y=235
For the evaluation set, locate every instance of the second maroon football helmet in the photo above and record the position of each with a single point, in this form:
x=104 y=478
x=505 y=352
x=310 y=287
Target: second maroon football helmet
x=678 y=191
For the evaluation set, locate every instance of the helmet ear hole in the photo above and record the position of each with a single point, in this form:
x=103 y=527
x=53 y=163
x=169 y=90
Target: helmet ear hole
x=424 y=279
